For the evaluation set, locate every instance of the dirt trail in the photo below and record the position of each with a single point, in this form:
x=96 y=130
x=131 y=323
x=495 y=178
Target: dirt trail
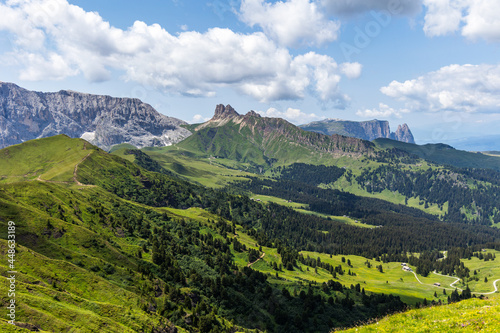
x=75 y=180
x=76 y=170
x=261 y=256
x=456 y=280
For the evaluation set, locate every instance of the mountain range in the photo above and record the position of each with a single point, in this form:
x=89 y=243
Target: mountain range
x=248 y=223
x=366 y=130
x=101 y=120
x=106 y=121
x=261 y=141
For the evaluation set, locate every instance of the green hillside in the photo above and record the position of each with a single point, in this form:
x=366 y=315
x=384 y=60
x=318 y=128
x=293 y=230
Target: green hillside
x=444 y=154
x=421 y=177
x=121 y=245
x=122 y=146
x=49 y=159
x=474 y=315
x=263 y=142
x=102 y=252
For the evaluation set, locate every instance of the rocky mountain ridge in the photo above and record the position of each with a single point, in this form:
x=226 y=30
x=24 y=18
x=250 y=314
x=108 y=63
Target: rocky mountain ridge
x=101 y=120
x=261 y=140
x=366 y=130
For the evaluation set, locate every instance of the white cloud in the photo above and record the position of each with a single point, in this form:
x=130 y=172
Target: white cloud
x=198 y=118
x=293 y=115
x=442 y=16
x=475 y=19
x=56 y=40
x=459 y=88
x=383 y=111
x=291 y=23
x=483 y=20
x=351 y=70
x=356 y=7
x=52 y=67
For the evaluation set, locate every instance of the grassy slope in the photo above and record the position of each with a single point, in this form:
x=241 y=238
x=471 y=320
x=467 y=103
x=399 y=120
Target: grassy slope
x=219 y=172
x=262 y=142
x=59 y=280
x=393 y=280
x=205 y=170
x=121 y=153
x=64 y=246
x=473 y=315
x=444 y=154
x=51 y=158
x=122 y=146
x=58 y=290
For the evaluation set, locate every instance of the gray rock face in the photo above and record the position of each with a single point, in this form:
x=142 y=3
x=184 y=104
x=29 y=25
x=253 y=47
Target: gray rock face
x=222 y=112
x=101 y=120
x=403 y=134
x=366 y=130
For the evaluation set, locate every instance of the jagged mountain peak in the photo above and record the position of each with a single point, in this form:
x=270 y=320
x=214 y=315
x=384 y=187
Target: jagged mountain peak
x=252 y=113
x=222 y=112
x=261 y=140
x=403 y=134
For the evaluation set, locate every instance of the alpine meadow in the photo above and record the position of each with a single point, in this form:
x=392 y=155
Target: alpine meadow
x=351 y=185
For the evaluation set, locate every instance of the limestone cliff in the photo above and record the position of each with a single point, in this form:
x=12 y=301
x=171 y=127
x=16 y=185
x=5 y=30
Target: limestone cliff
x=101 y=120
x=366 y=130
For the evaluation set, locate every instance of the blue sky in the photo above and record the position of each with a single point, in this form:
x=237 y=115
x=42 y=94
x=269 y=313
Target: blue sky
x=433 y=64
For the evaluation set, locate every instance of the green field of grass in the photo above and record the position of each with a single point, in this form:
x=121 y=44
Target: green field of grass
x=472 y=315
x=393 y=280
x=303 y=208
x=484 y=269
x=394 y=197
x=205 y=170
x=55 y=162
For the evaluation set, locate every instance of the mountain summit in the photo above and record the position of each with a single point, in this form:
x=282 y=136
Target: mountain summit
x=222 y=112
x=101 y=120
x=403 y=134
x=258 y=140
x=366 y=130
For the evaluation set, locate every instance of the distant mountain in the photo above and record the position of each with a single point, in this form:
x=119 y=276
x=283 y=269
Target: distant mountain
x=101 y=120
x=261 y=140
x=366 y=130
x=444 y=154
x=482 y=143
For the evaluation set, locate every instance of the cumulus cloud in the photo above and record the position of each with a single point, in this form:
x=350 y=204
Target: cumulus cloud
x=383 y=111
x=475 y=19
x=459 y=88
x=198 y=118
x=291 y=23
x=356 y=7
x=56 y=40
x=293 y=115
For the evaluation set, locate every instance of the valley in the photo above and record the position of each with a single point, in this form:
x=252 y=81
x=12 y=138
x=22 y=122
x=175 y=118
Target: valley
x=250 y=166
x=203 y=236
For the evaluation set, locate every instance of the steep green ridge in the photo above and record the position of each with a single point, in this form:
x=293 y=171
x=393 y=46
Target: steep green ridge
x=73 y=271
x=443 y=154
x=50 y=159
x=122 y=146
x=260 y=141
